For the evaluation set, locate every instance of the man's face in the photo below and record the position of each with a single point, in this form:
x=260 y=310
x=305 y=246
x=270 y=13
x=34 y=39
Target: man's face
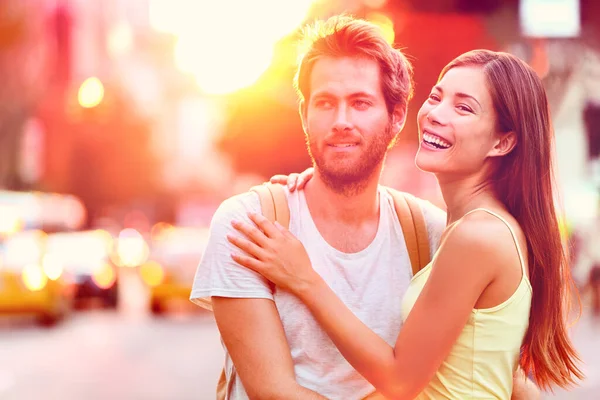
x=346 y=121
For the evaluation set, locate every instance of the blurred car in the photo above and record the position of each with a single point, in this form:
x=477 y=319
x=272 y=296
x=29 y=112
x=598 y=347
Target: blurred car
x=30 y=282
x=169 y=272
x=85 y=257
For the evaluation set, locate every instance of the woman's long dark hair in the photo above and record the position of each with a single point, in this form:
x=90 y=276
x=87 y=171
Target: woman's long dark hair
x=523 y=181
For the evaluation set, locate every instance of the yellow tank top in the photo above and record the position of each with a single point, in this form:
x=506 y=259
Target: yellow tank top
x=483 y=359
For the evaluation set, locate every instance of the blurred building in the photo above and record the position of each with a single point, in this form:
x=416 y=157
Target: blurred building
x=156 y=102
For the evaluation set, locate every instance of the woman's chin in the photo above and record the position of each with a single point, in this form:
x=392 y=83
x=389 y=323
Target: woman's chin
x=426 y=165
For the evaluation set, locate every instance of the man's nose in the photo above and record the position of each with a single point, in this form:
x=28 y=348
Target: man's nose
x=342 y=119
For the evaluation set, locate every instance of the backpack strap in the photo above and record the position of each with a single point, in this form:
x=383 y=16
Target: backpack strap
x=273 y=203
x=414 y=228
x=223 y=388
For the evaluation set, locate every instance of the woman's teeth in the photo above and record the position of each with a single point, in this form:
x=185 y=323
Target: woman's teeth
x=436 y=141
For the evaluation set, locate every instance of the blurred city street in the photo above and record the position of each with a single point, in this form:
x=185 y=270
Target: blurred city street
x=125 y=354
x=128 y=354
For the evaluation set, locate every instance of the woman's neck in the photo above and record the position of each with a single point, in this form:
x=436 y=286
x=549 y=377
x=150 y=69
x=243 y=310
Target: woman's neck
x=464 y=194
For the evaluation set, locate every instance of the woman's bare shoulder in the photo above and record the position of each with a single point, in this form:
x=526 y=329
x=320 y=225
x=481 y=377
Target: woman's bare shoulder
x=483 y=239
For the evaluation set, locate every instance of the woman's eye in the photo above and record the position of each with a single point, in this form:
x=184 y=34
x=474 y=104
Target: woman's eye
x=434 y=97
x=464 y=108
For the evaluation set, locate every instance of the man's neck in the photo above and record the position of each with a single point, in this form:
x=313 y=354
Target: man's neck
x=326 y=203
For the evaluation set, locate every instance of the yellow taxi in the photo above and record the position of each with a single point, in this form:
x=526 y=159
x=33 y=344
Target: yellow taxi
x=169 y=271
x=85 y=257
x=32 y=283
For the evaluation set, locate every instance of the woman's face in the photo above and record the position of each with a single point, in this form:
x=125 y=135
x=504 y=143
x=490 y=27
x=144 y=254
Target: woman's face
x=457 y=124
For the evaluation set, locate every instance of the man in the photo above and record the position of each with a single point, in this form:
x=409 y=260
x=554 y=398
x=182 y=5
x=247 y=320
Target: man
x=354 y=90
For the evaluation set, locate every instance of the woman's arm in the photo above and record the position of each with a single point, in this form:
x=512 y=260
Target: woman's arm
x=465 y=265
x=433 y=326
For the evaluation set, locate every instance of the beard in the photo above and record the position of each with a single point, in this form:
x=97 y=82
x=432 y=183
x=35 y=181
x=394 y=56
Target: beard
x=351 y=176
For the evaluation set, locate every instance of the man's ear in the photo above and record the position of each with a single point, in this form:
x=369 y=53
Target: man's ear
x=302 y=109
x=398 y=118
x=505 y=144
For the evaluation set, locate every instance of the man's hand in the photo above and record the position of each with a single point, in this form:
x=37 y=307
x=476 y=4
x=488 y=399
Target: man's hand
x=523 y=387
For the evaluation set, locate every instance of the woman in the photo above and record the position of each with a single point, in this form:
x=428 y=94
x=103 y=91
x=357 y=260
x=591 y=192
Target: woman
x=500 y=275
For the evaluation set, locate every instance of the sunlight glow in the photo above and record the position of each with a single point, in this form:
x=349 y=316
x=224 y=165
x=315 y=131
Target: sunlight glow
x=385 y=24
x=227 y=45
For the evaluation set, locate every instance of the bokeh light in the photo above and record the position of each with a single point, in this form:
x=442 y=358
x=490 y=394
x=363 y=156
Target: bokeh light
x=132 y=249
x=160 y=230
x=34 y=278
x=152 y=273
x=91 y=93
x=104 y=276
x=120 y=39
x=52 y=267
x=10 y=220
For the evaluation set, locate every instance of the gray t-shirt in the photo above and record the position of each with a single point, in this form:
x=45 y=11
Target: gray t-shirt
x=371 y=282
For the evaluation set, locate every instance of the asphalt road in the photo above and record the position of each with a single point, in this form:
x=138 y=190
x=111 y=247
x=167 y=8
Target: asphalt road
x=127 y=354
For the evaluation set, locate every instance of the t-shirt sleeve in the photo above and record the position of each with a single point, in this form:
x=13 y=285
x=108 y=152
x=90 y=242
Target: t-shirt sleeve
x=217 y=274
x=435 y=219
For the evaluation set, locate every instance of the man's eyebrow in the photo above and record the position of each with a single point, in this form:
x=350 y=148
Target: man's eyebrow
x=325 y=93
x=461 y=95
x=322 y=93
x=362 y=94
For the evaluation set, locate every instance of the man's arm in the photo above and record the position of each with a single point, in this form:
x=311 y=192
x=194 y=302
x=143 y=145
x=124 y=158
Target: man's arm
x=523 y=387
x=242 y=302
x=253 y=334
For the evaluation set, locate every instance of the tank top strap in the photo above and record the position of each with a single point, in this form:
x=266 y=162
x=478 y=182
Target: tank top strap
x=512 y=233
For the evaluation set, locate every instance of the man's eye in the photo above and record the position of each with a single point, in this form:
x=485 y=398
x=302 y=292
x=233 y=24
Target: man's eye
x=323 y=104
x=361 y=104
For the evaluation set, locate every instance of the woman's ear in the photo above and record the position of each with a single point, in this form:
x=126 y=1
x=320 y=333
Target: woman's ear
x=504 y=145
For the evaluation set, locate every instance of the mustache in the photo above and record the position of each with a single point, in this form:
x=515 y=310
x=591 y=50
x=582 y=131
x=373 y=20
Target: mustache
x=342 y=137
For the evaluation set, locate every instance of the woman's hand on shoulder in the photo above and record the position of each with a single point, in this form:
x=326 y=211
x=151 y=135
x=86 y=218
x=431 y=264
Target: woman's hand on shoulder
x=294 y=180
